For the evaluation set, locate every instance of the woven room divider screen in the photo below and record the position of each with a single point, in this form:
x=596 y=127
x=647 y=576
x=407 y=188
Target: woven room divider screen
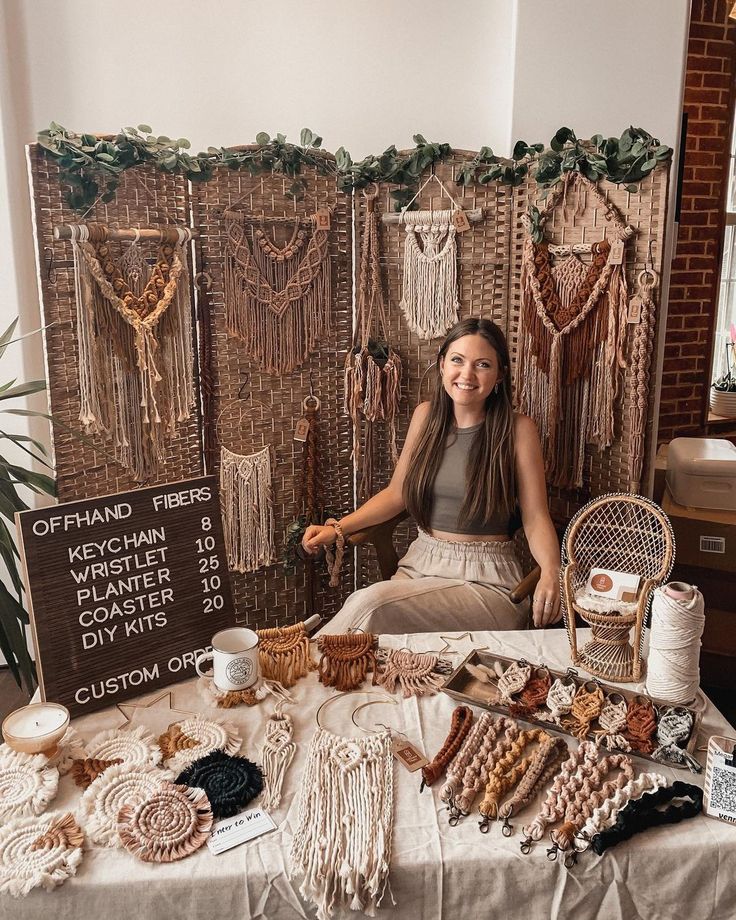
x=489 y=271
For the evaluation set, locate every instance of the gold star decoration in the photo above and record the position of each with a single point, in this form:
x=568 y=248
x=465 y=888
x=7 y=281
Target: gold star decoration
x=446 y=650
x=155 y=713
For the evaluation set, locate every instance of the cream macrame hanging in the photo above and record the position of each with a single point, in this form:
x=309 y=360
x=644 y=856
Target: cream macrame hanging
x=277 y=299
x=134 y=334
x=372 y=367
x=246 y=498
x=572 y=336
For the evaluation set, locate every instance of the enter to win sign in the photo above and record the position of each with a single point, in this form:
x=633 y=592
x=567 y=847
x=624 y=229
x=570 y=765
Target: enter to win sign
x=125 y=590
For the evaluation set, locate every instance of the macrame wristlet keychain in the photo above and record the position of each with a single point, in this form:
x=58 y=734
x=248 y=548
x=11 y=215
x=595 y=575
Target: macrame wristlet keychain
x=413 y=673
x=333 y=558
x=673 y=729
x=493 y=746
x=462 y=720
x=544 y=765
x=641 y=724
x=507 y=773
x=456 y=770
x=283 y=653
x=346 y=659
x=605 y=815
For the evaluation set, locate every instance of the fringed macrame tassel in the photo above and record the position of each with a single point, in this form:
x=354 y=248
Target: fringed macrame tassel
x=284 y=655
x=246 y=498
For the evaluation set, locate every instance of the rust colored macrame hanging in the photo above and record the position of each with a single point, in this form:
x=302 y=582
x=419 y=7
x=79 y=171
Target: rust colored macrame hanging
x=136 y=377
x=573 y=330
x=372 y=367
x=277 y=299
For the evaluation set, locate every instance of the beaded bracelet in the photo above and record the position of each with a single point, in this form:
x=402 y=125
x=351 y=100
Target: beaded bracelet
x=462 y=719
x=507 y=773
x=492 y=748
x=673 y=729
x=457 y=767
x=545 y=764
x=643 y=813
x=586 y=707
x=605 y=815
x=641 y=724
x=612 y=721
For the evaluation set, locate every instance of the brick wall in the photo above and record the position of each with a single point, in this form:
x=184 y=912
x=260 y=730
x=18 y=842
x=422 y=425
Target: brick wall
x=709 y=103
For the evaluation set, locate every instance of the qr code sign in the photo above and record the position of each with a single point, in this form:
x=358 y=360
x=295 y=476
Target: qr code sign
x=721 y=787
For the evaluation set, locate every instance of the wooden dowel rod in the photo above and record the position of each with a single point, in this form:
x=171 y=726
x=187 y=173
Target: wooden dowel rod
x=66 y=232
x=395 y=218
x=313 y=622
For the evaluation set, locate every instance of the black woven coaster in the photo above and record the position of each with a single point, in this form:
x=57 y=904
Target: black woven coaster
x=230 y=782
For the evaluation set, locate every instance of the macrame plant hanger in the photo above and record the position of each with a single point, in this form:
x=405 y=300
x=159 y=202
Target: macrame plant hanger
x=573 y=331
x=277 y=298
x=372 y=366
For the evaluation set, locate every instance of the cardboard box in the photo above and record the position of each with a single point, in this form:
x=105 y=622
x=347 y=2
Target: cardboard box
x=705 y=538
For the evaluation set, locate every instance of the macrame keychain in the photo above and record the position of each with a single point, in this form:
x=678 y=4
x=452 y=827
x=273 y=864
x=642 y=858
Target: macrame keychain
x=545 y=762
x=612 y=721
x=513 y=680
x=464 y=757
x=346 y=659
x=413 y=673
x=533 y=696
x=560 y=698
x=586 y=707
x=277 y=753
x=372 y=368
x=283 y=653
x=307 y=432
x=508 y=771
x=641 y=724
x=460 y=724
x=642 y=312
x=674 y=728
x=494 y=745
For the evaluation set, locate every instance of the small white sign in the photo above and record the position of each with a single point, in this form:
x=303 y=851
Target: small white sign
x=620 y=586
x=245 y=826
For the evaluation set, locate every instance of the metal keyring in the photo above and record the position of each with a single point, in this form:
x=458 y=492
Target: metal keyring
x=306 y=404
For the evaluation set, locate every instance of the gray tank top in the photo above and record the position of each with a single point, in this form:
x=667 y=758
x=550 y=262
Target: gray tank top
x=448 y=494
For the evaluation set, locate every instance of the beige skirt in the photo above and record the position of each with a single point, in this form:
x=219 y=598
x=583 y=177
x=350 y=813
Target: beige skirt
x=441 y=585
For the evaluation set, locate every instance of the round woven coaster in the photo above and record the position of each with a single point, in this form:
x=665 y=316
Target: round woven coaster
x=27 y=784
x=184 y=742
x=71 y=748
x=38 y=852
x=228 y=699
x=136 y=749
x=230 y=782
x=169 y=825
x=118 y=786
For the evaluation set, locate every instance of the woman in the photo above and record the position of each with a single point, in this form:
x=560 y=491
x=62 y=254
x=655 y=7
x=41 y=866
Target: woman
x=467 y=461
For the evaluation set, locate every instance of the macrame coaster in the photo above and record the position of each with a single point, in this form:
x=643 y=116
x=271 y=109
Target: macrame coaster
x=119 y=785
x=342 y=841
x=573 y=326
x=184 y=742
x=27 y=784
x=229 y=699
x=283 y=652
x=413 y=673
x=429 y=296
x=70 y=748
x=462 y=720
x=169 y=825
x=277 y=753
x=279 y=319
x=39 y=853
x=230 y=782
x=136 y=748
x=246 y=499
x=346 y=659
x=136 y=373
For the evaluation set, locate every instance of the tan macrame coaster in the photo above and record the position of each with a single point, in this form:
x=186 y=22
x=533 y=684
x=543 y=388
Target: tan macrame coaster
x=229 y=699
x=284 y=653
x=85 y=771
x=27 y=784
x=346 y=659
x=169 y=825
x=135 y=748
x=39 y=853
x=119 y=785
x=187 y=741
x=246 y=499
x=413 y=673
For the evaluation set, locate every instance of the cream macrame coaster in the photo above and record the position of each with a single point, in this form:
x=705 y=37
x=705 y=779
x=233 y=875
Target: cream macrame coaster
x=229 y=699
x=184 y=742
x=174 y=822
x=135 y=749
x=39 y=852
x=70 y=748
x=27 y=784
x=119 y=785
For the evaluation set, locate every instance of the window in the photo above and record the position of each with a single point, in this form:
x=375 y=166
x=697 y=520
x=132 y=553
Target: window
x=724 y=351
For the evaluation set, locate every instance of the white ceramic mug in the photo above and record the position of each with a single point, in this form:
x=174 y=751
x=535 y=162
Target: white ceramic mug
x=234 y=659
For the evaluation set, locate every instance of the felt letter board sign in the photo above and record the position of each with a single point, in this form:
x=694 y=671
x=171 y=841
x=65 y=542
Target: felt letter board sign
x=124 y=590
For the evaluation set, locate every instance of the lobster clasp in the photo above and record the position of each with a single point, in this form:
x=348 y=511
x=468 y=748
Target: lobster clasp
x=571 y=858
x=526 y=846
x=485 y=824
x=552 y=852
x=507 y=829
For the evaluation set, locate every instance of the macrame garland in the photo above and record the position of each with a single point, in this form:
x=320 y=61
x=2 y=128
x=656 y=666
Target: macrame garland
x=119 y=785
x=229 y=782
x=168 y=825
x=246 y=499
x=413 y=673
x=184 y=742
x=460 y=724
x=136 y=748
x=283 y=652
x=136 y=372
x=27 y=784
x=277 y=754
x=429 y=296
x=342 y=841
x=39 y=853
x=346 y=659
x=278 y=302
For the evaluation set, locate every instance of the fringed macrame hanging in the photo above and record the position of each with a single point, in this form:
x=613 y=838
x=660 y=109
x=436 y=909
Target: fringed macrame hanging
x=134 y=331
x=429 y=293
x=277 y=299
x=372 y=367
x=246 y=500
x=572 y=334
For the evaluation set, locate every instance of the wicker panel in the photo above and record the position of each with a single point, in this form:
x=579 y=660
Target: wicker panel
x=271 y=597
x=145 y=198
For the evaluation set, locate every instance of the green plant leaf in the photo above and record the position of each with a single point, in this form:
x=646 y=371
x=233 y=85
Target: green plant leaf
x=12 y=616
x=36 y=481
x=145 y=129
x=24 y=389
x=306 y=137
x=7 y=337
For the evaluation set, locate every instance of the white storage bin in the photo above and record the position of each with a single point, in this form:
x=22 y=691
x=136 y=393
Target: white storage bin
x=701 y=473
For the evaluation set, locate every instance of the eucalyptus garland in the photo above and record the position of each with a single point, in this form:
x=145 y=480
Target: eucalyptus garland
x=92 y=166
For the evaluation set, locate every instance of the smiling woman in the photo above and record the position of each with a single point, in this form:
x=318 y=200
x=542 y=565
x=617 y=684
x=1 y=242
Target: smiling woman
x=468 y=462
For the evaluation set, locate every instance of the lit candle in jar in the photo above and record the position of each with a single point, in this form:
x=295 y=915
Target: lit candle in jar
x=36 y=728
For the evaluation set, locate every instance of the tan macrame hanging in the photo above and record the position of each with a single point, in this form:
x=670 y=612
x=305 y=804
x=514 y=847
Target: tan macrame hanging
x=429 y=292
x=572 y=334
x=277 y=299
x=372 y=367
x=134 y=335
x=246 y=500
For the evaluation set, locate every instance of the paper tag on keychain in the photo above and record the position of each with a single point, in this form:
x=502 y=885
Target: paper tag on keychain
x=407 y=755
x=460 y=220
x=302 y=430
x=323 y=219
x=616 y=255
x=634 y=309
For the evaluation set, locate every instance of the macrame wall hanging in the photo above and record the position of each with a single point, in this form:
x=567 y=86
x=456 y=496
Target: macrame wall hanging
x=372 y=366
x=277 y=298
x=134 y=333
x=346 y=659
x=573 y=326
x=283 y=653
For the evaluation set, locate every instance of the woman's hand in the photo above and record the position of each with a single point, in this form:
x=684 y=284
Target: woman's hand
x=316 y=536
x=546 y=603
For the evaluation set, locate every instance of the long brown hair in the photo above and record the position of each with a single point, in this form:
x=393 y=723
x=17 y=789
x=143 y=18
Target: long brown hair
x=489 y=476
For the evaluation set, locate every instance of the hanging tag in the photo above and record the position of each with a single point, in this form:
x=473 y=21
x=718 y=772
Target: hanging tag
x=616 y=255
x=460 y=220
x=634 y=309
x=302 y=430
x=323 y=219
x=720 y=779
x=407 y=755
